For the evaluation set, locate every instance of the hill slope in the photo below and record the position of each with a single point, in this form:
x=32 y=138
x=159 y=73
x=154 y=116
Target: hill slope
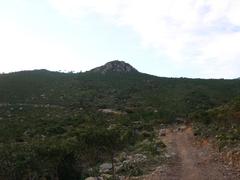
x=63 y=125
x=114 y=90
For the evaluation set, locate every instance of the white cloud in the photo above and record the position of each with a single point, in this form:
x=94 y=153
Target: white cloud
x=202 y=34
x=21 y=49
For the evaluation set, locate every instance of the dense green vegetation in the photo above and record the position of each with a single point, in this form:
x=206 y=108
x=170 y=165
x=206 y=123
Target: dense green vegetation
x=62 y=142
x=222 y=122
x=52 y=125
x=116 y=90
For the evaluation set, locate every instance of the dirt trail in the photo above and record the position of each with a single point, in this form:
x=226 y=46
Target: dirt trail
x=191 y=161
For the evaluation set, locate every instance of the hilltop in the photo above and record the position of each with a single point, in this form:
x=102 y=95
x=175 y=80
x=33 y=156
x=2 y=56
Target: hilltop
x=115 y=66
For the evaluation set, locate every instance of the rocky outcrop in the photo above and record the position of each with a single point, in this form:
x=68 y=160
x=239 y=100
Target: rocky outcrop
x=115 y=66
x=111 y=111
x=105 y=168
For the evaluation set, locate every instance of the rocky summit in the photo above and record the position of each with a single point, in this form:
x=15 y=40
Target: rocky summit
x=115 y=66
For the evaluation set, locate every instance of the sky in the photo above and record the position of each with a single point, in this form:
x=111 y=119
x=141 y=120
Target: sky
x=170 y=38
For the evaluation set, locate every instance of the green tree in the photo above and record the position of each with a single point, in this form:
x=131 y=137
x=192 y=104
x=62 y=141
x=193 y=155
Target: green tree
x=104 y=141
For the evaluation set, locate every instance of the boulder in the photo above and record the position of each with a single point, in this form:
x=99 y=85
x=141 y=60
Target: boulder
x=91 y=178
x=105 y=167
x=111 y=111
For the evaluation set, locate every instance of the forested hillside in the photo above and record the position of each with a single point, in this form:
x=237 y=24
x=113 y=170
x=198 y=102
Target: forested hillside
x=116 y=90
x=65 y=125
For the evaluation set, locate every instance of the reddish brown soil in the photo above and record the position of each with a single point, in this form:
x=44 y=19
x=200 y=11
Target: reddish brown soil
x=191 y=160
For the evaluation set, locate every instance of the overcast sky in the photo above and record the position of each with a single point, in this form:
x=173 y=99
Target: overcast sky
x=173 y=38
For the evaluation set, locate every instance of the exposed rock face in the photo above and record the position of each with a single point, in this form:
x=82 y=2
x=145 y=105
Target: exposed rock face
x=111 y=111
x=105 y=167
x=115 y=66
